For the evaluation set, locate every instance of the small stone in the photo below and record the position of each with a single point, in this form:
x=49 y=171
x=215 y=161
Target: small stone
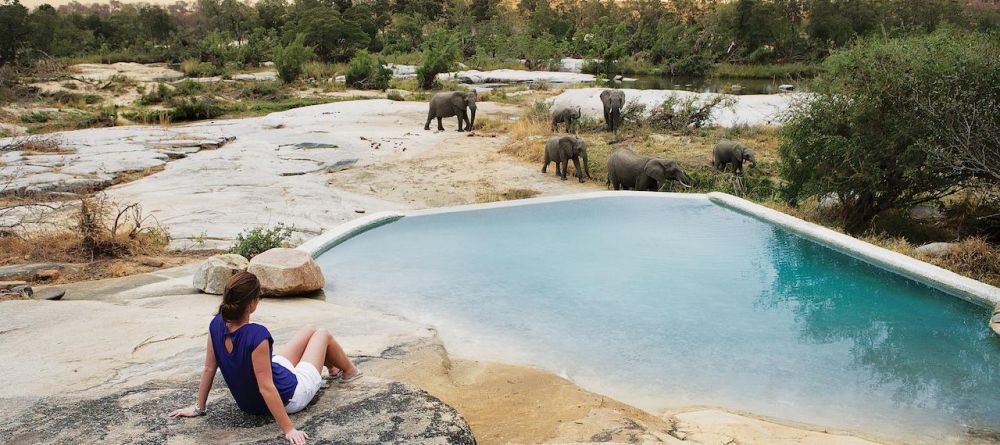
x=49 y=293
x=47 y=275
x=936 y=250
x=24 y=290
x=925 y=213
x=786 y=88
x=359 y=210
x=151 y=262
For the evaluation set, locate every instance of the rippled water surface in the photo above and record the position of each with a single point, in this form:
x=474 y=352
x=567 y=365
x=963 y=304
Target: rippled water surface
x=674 y=302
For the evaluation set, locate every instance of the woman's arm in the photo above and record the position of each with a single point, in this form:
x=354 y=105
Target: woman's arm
x=207 y=378
x=265 y=383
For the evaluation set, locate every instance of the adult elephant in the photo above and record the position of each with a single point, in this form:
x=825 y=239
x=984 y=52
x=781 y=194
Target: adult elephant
x=628 y=170
x=613 y=101
x=563 y=148
x=453 y=103
x=732 y=153
x=565 y=116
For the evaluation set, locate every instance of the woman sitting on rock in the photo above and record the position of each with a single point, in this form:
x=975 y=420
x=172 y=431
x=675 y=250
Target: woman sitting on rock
x=281 y=384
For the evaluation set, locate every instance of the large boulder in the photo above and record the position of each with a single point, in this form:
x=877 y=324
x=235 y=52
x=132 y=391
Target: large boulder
x=285 y=272
x=212 y=275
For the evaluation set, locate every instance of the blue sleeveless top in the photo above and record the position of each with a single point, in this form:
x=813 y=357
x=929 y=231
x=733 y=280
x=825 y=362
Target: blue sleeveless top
x=237 y=366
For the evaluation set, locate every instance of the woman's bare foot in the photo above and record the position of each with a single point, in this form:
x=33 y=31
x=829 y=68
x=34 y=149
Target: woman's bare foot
x=350 y=374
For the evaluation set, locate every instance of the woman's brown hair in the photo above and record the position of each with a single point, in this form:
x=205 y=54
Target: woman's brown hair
x=242 y=289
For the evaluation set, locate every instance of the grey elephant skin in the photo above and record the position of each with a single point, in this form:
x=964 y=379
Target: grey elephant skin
x=733 y=153
x=628 y=170
x=453 y=103
x=613 y=101
x=563 y=148
x=565 y=116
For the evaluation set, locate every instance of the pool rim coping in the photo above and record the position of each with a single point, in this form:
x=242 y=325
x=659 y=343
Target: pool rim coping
x=949 y=282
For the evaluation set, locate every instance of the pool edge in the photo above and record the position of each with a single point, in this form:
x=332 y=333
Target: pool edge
x=944 y=280
x=328 y=239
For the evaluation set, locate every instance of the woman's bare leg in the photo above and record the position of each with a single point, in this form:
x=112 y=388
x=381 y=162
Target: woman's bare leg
x=297 y=345
x=324 y=350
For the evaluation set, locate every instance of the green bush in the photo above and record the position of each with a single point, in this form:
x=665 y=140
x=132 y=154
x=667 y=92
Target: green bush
x=367 y=73
x=252 y=242
x=395 y=95
x=36 y=117
x=440 y=53
x=197 y=68
x=195 y=109
x=288 y=60
x=888 y=123
x=157 y=95
x=678 y=114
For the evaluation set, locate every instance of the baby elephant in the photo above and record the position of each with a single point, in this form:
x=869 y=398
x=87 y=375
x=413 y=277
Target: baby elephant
x=730 y=152
x=628 y=170
x=565 y=115
x=563 y=148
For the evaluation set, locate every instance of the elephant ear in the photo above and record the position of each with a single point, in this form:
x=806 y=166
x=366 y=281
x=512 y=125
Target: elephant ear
x=654 y=168
x=566 y=145
x=458 y=100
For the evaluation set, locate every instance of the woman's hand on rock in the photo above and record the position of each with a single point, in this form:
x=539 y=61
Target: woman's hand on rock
x=190 y=411
x=296 y=437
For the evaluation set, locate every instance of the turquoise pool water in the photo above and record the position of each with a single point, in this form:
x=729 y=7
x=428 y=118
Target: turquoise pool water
x=676 y=302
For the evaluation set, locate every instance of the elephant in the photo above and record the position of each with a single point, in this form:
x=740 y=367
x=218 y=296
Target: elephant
x=565 y=115
x=627 y=170
x=731 y=152
x=613 y=101
x=563 y=148
x=452 y=103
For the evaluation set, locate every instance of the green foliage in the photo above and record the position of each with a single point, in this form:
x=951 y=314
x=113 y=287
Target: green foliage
x=680 y=113
x=333 y=38
x=288 y=60
x=197 y=68
x=395 y=95
x=252 y=242
x=14 y=23
x=888 y=121
x=193 y=108
x=367 y=73
x=36 y=117
x=256 y=49
x=440 y=54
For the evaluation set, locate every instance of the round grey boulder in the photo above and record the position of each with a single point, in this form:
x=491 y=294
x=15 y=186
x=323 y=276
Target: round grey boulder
x=212 y=275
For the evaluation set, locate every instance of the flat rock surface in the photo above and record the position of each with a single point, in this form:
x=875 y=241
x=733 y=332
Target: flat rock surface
x=136 y=71
x=761 y=109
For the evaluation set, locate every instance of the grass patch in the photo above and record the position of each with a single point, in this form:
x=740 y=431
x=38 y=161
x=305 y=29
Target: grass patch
x=770 y=71
x=35 y=117
x=492 y=195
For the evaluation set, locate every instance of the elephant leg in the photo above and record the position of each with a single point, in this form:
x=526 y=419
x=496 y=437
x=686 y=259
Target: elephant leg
x=461 y=121
x=565 y=169
x=427 y=126
x=558 y=168
x=607 y=120
x=576 y=165
x=440 y=127
x=545 y=164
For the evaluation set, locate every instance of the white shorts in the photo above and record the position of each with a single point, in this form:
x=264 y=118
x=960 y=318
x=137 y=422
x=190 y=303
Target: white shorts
x=309 y=383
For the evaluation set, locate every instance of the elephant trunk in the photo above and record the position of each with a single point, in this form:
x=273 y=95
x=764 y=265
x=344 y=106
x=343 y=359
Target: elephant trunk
x=472 y=118
x=685 y=180
x=586 y=165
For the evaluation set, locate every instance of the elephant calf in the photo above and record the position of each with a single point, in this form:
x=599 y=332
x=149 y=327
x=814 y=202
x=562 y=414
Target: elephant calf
x=613 y=101
x=453 y=103
x=627 y=170
x=565 y=115
x=563 y=148
x=732 y=153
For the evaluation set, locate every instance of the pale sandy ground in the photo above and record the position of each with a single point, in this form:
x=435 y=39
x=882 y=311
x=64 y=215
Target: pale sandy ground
x=148 y=332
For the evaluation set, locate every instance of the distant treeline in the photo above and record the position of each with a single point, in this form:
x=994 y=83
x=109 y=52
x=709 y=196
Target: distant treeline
x=675 y=37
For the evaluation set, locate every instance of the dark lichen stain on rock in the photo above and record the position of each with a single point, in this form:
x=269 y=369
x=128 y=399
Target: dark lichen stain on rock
x=369 y=411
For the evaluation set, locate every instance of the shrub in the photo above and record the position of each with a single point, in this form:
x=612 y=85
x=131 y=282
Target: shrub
x=197 y=68
x=440 y=53
x=107 y=117
x=678 y=114
x=367 y=73
x=252 y=242
x=157 y=95
x=395 y=95
x=35 y=117
x=195 y=109
x=882 y=118
x=288 y=60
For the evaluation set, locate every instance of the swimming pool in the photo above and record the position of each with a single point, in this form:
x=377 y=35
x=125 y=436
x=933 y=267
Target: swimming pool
x=672 y=302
